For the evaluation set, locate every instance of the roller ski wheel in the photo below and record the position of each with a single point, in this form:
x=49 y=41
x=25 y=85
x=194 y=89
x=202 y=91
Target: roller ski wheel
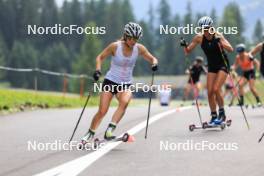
x=228 y=123
x=96 y=143
x=82 y=145
x=222 y=126
x=191 y=127
x=124 y=138
x=205 y=125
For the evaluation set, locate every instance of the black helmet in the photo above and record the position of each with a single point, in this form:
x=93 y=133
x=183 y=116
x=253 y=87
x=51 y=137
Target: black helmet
x=240 y=48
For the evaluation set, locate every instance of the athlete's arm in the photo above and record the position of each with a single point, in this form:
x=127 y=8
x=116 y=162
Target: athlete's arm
x=257 y=64
x=196 y=40
x=234 y=66
x=204 y=70
x=147 y=55
x=257 y=49
x=188 y=70
x=226 y=45
x=109 y=50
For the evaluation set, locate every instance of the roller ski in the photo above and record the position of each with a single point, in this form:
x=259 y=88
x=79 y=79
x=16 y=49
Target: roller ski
x=217 y=124
x=88 y=141
x=253 y=106
x=246 y=105
x=109 y=137
x=96 y=143
x=124 y=138
x=206 y=125
x=194 y=127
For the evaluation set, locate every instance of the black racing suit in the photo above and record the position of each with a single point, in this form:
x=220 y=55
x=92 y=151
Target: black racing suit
x=195 y=73
x=214 y=56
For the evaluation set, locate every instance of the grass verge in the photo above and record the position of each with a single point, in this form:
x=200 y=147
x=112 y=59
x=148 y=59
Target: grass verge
x=19 y=100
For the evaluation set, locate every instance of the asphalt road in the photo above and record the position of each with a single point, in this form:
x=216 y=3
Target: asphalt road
x=170 y=149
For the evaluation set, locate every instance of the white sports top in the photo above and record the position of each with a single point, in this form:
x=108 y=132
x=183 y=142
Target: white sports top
x=122 y=67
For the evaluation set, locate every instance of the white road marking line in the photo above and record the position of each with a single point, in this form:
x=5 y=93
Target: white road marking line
x=78 y=165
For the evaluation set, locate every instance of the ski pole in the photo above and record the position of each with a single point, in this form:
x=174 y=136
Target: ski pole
x=150 y=97
x=261 y=138
x=77 y=124
x=232 y=82
x=196 y=101
x=196 y=96
x=235 y=93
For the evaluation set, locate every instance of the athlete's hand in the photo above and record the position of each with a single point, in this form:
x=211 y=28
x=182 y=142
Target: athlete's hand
x=183 y=43
x=97 y=75
x=217 y=38
x=154 y=67
x=251 y=57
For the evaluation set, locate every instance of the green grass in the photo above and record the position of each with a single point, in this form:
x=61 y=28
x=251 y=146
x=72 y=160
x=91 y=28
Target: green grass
x=19 y=100
x=15 y=100
x=250 y=99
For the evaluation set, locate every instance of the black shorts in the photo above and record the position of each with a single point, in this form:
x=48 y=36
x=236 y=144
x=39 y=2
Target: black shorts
x=164 y=104
x=194 y=81
x=114 y=88
x=216 y=69
x=250 y=74
x=228 y=87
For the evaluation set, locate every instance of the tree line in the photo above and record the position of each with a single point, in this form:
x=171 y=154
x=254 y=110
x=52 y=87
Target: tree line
x=76 y=53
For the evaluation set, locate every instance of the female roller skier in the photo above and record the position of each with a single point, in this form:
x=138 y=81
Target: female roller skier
x=124 y=55
x=194 y=72
x=218 y=66
x=246 y=63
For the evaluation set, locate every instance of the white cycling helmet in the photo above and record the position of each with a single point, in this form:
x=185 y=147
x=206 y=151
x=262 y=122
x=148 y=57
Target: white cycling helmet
x=205 y=22
x=133 y=30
